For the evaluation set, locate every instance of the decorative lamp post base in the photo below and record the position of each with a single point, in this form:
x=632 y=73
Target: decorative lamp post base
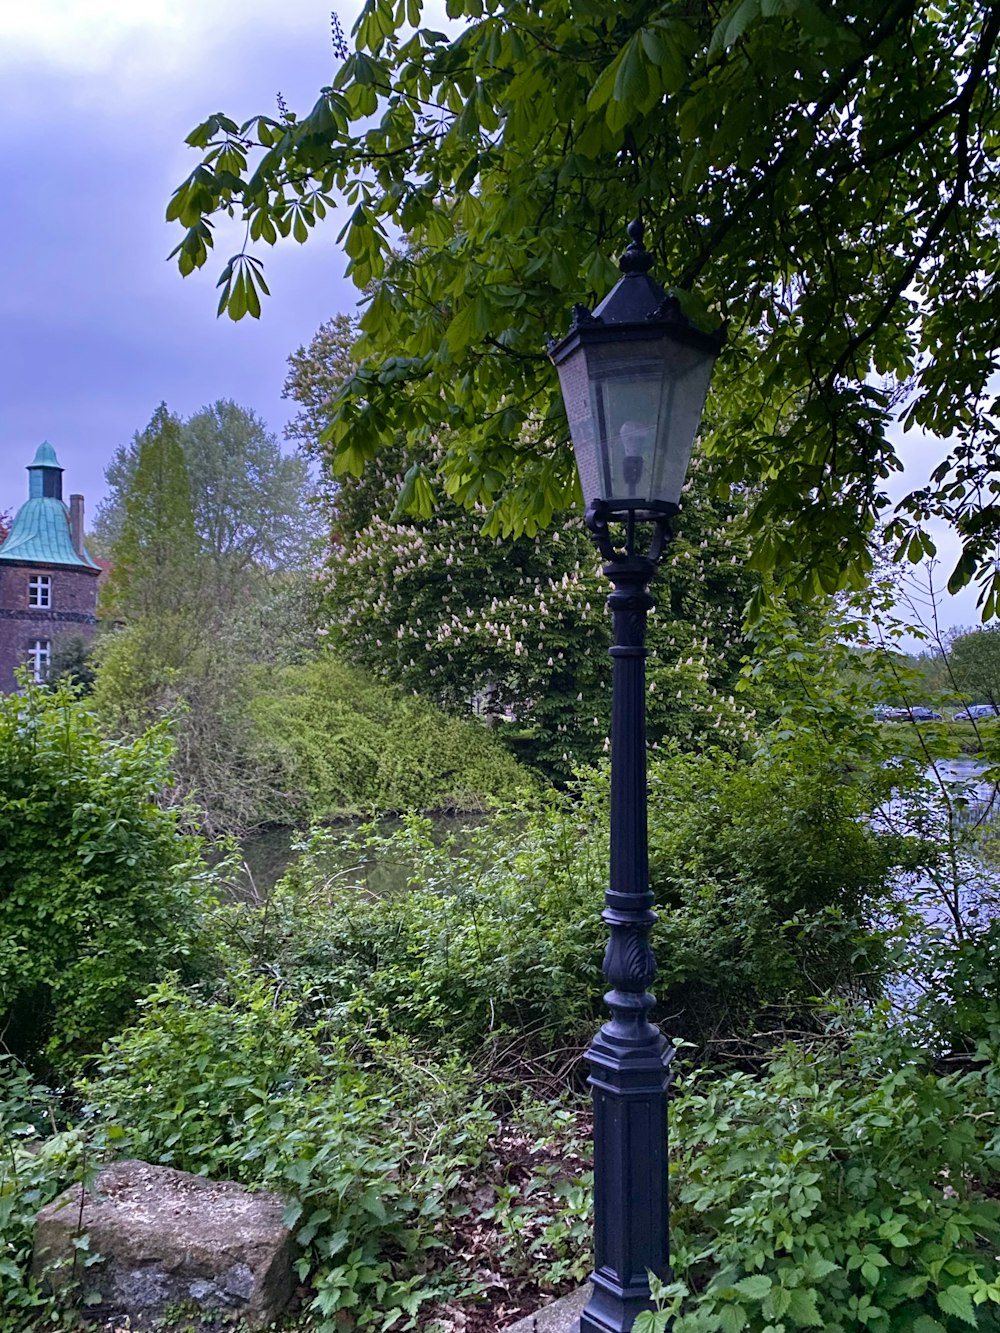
x=630 y=1136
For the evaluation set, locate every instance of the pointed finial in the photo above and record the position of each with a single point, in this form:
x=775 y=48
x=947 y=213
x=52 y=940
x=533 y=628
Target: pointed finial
x=636 y=258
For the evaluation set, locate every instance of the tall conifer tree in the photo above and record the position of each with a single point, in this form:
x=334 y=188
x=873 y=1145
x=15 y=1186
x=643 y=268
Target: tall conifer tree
x=155 y=575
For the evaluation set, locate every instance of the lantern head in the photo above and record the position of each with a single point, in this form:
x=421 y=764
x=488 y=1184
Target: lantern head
x=634 y=376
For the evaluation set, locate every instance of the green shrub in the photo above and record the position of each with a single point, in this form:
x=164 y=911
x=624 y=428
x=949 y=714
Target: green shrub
x=39 y=1157
x=368 y=1141
x=768 y=873
x=960 y=1014
x=364 y=1052
x=850 y=1187
x=343 y=743
x=495 y=946
x=100 y=891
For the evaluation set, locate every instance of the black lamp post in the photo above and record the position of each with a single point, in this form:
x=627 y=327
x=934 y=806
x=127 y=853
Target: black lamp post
x=634 y=377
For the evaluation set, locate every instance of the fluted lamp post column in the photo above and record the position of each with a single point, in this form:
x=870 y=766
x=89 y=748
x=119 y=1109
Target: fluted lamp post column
x=634 y=376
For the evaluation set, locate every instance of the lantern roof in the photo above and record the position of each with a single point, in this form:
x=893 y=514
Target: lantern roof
x=634 y=375
x=636 y=306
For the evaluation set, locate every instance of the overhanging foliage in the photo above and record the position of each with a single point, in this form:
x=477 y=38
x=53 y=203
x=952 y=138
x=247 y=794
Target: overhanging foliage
x=822 y=173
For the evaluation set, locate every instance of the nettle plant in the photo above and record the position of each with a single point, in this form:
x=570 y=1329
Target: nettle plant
x=366 y=1140
x=851 y=1187
x=40 y=1155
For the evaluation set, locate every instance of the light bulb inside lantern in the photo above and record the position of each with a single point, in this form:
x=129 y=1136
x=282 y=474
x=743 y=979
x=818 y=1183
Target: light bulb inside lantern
x=636 y=439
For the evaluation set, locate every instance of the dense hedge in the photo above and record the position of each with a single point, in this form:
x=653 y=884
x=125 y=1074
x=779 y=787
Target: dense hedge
x=101 y=893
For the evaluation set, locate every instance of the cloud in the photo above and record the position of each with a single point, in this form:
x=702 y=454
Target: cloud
x=114 y=48
x=96 y=327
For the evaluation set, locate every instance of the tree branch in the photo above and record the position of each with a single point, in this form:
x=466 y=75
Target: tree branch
x=892 y=17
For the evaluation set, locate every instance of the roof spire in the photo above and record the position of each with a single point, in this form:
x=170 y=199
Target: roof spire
x=45 y=474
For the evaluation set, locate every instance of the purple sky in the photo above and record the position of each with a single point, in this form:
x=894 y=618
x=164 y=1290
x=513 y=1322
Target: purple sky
x=96 y=327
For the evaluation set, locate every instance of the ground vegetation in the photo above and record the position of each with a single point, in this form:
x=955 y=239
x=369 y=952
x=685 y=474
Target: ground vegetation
x=405 y=1067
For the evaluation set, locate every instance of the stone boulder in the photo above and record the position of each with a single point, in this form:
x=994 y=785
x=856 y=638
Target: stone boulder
x=167 y=1238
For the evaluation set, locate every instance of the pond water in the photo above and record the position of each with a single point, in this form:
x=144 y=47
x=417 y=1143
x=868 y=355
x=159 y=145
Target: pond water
x=960 y=894
x=267 y=854
x=976 y=800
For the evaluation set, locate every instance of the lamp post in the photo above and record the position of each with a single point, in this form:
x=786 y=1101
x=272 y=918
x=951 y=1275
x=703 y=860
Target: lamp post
x=634 y=376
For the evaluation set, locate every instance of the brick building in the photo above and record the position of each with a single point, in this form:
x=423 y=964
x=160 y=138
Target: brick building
x=48 y=582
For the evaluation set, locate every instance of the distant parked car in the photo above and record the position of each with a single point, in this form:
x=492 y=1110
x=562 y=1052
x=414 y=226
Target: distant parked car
x=976 y=711
x=918 y=713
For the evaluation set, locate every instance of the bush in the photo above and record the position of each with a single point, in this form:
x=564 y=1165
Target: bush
x=341 y=743
x=367 y=1141
x=39 y=1157
x=850 y=1187
x=365 y=1054
x=959 y=1017
x=101 y=891
x=490 y=947
x=768 y=874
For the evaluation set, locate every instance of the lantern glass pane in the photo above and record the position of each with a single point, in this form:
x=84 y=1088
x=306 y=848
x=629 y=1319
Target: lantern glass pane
x=625 y=406
x=634 y=406
x=685 y=391
x=574 y=382
x=646 y=400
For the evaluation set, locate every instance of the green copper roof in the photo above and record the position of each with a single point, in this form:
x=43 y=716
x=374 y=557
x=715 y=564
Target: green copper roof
x=40 y=531
x=45 y=456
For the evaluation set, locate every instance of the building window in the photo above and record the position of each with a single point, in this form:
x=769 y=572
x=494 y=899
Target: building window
x=39 y=658
x=40 y=591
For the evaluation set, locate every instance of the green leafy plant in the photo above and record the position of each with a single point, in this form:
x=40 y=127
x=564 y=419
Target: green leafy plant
x=366 y=1139
x=102 y=893
x=491 y=949
x=849 y=1187
x=40 y=1155
x=340 y=742
x=818 y=175
x=769 y=873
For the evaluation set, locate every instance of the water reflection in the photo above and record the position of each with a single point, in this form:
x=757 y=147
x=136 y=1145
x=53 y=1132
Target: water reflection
x=267 y=854
x=955 y=894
